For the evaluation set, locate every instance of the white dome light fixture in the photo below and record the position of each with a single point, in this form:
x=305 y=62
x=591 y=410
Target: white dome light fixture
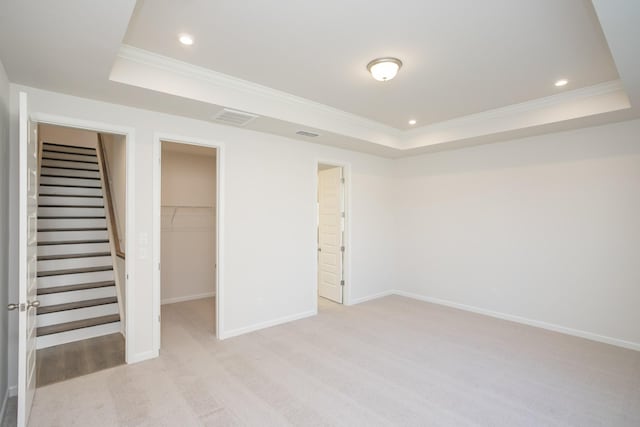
x=185 y=39
x=384 y=69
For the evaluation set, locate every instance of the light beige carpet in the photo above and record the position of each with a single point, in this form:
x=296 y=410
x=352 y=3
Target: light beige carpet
x=391 y=361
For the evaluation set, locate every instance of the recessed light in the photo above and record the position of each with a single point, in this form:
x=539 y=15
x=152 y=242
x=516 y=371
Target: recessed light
x=186 y=39
x=384 y=69
x=561 y=82
x=412 y=122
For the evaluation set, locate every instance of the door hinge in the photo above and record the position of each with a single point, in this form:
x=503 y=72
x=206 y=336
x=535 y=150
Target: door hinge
x=342 y=214
x=342 y=180
x=158 y=266
x=341 y=248
x=341 y=282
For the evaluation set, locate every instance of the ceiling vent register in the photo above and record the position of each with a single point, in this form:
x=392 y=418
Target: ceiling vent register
x=234 y=117
x=305 y=133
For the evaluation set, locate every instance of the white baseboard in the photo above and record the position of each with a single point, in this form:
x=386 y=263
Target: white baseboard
x=187 y=298
x=141 y=357
x=513 y=318
x=371 y=297
x=267 y=324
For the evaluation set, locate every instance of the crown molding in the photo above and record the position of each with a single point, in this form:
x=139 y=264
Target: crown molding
x=254 y=90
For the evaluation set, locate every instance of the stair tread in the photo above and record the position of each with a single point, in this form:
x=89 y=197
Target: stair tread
x=74 y=271
x=51 y=144
x=76 y=304
x=70 y=217
x=67 y=176
x=86 y=196
x=68 y=168
x=68 y=186
x=71 y=206
x=48 y=230
x=72 y=242
x=89 y=162
x=79 y=287
x=70 y=256
x=77 y=324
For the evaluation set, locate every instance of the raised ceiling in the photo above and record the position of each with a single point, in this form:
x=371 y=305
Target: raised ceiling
x=460 y=57
x=475 y=72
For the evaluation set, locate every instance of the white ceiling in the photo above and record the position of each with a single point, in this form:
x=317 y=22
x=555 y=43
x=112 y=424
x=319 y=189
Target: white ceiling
x=460 y=57
x=475 y=72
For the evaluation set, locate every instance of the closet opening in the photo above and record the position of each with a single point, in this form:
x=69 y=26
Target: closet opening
x=188 y=240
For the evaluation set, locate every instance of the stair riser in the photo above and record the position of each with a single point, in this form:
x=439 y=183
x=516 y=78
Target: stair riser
x=70 y=165
x=75 y=279
x=70 y=201
x=67 y=156
x=72 y=223
x=76 y=314
x=69 y=191
x=67 y=149
x=61 y=236
x=51 y=180
x=63 y=264
x=73 y=249
x=75 y=296
x=69 y=172
x=77 y=335
x=71 y=212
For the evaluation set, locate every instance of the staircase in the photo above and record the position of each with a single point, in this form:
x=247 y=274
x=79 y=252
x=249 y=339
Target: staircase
x=76 y=282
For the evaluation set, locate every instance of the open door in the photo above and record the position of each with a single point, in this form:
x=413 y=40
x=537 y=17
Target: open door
x=28 y=199
x=330 y=233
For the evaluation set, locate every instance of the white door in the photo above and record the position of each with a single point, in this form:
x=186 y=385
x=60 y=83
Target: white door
x=330 y=233
x=28 y=255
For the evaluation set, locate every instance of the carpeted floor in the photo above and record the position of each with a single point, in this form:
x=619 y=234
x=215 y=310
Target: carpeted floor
x=391 y=361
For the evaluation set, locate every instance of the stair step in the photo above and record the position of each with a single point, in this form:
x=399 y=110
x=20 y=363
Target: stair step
x=77 y=324
x=67 y=148
x=71 y=242
x=79 y=287
x=56 y=159
x=74 y=271
x=70 y=256
x=89 y=248
x=68 y=173
x=69 y=217
x=69 y=164
x=63 y=191
x=68 y=184
x=63 y=155
x=85 y=196
x=77 y=304
x=48 y=230
x=71 y=206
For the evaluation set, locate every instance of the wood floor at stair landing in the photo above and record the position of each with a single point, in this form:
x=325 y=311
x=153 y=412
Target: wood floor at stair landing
x=66 y=361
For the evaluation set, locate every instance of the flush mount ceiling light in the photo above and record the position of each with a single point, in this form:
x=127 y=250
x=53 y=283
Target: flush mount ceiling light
x=561 y=82
x=186 y=39
x=412 y=122
x=384 y=69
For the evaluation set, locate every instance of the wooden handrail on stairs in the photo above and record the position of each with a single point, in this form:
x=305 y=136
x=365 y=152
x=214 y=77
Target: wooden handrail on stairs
x=109 y=198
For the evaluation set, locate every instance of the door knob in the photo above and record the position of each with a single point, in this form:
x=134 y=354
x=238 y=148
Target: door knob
x=34 y=304
x=12 y=307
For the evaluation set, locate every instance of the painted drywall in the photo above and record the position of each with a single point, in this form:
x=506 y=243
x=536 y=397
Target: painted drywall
x=4 y=235
x=67 y=136
x=544 y=229
x=269 y=212
x=116 y=159
x=188 y=232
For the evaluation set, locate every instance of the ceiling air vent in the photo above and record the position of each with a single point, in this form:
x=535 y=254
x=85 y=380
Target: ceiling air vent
x=305 y=133
x=234 y=118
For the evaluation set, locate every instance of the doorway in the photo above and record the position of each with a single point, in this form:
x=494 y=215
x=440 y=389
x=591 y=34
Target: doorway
x=331 y=232
x=81 y=262
x=188 y=235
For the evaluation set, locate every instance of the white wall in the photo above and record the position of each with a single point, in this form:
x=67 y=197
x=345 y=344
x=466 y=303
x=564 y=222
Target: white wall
x=188 y=224
x=115 y=148
x=269 y=215
x=67 y=136
x=4 y=233
x=544 y=228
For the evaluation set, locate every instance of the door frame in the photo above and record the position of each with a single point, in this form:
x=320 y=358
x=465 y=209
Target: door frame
x=130 y=208
x=346 y=173
x=158 y=138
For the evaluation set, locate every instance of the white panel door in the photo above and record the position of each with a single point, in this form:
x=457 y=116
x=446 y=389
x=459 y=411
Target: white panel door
x=330 y=233
x=28 y=251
